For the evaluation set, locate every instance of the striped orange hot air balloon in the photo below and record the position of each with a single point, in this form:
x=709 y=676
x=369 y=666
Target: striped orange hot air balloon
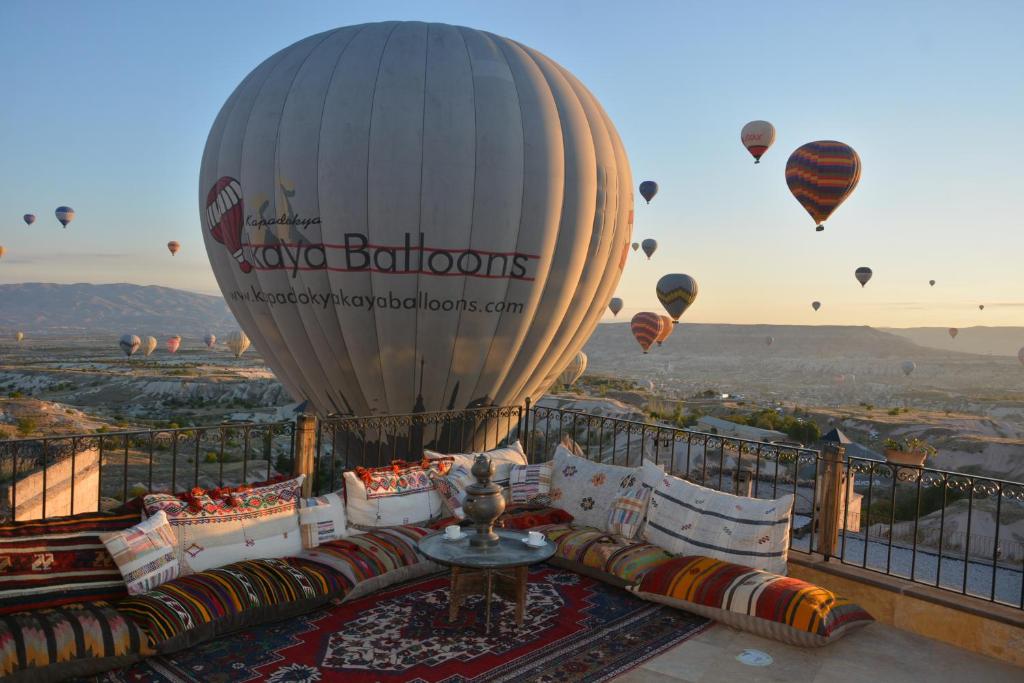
x=646 y=328
x=666 y=329
x=821 y=175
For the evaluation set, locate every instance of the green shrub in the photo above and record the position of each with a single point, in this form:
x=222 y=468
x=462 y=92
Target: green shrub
x=26 y=425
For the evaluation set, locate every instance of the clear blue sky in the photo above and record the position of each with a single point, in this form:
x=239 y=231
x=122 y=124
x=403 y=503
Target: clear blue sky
x=108 y=105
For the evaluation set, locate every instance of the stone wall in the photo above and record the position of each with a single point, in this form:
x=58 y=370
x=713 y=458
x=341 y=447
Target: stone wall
x=28 y=495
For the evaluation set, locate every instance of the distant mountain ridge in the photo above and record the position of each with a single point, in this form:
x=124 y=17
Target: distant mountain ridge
x=46 y=308
x=989 y=341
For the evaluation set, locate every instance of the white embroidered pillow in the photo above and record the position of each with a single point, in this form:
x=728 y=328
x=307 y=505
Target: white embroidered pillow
x=145 y=554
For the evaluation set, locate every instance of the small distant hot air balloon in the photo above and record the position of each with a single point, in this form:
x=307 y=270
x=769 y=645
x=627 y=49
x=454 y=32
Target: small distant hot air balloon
x=953 y=332
x=173 y=343
x=29 y=218
x=981 y=307
x=676 y=291
x=149 y=346
x=2 y=251
x=65 y=214
x=908 y=367
x=238 y=342
x=931 y=282
x=615 y=305
x=769 y=340
x=18 y=336
x=635 y=246
x=821 y=175
x=757 y=137
x=577 y=366
x=646 y=327
x=649 y=246
x=815 y=305
x=648 y=189
x=1020 y=355
x=210 y=340
x=863 y=274
x=129 y=343
x=173 y=247
x=666 y=329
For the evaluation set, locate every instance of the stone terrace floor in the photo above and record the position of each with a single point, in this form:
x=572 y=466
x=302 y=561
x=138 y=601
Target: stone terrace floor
x=875 y=654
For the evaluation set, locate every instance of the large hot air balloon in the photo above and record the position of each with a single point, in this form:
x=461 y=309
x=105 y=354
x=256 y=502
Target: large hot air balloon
x=19 y=336
x=769 y=340
x=676 y=292
x=863 y=274
x=648 y=189
x=65 y=214
x=173 y=343
x=646 y=327
x=577 y=366
x=129 y=343
x=615 y=305
x=210 y=340
x=953 y=332
x=908 y=366
x=757 y=137
x=29 y=218
x=815 y=305
x=666 y=329
x=149 y=346
x=821 y=175
x=463 y=209
x=931 y=282
x=173 y=247
x=635 y=246
x=238 y=342
x=649 y=246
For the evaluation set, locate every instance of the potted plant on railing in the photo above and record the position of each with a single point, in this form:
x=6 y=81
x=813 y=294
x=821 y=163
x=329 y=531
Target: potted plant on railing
x=912 y=451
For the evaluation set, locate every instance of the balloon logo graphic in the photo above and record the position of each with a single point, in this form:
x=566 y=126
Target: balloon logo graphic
x=224 y=215
x=615 y=305
x=210 y=340
x=815 y=305
x=863 y=274
x=65 y=214
x=456 y=208
x=666 y=329
x=149 y=346
x=29 y=218
x=648 y=189
x=173 y=247
x=129 y=343
x=821 y=175
x=757 y=137
x=676 y=292
x=646 y=327
x=953 y=332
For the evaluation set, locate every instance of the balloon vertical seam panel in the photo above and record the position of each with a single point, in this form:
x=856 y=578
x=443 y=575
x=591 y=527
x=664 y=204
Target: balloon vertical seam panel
x=557 y=266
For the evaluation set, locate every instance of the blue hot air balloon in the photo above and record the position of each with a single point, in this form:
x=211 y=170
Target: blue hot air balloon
x=648 y=189
x=29 y=218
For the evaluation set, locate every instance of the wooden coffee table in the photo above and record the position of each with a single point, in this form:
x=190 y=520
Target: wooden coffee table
x=500 y=570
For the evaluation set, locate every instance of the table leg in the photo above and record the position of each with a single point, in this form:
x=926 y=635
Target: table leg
x=522 y=574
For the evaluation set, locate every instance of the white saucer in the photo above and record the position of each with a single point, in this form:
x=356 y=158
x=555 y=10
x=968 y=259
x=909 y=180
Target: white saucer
x=457 y=538
x=526 y=541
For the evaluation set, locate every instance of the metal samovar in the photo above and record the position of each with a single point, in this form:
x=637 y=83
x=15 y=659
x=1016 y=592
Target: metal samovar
x=484 y=503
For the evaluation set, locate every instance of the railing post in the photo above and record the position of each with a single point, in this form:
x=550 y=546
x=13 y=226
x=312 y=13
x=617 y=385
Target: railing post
x=524 y=438
x=831 y=498
x=305 y=451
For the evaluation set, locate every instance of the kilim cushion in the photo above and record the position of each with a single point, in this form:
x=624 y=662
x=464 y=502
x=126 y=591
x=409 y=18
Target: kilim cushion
x=195 y=608
x=688 y=519
x=452 y=488
x=401 y=493
x=60 y=560
x=527 y=482
x=595 y=553
x=254 y=524
x=66 y=642
x=779 y=607
x=586 y=489
x=521 y=517
x=628 y=511
x=322 y=519
x=375 y=559
x=145 y=553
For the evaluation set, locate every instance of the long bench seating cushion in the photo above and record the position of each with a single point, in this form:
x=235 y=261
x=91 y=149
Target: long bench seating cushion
x=67 y=642
x=60 y=560
x=376 y=559
x=768 y=605
x=688 y=519
x=503 y=459
x=322 y=519
x=144 y=553
x=195 y=608
x=398 y=494
x=600 y=555
x=259 y=523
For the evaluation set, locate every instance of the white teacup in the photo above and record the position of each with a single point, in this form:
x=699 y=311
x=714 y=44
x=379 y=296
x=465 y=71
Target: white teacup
x=453 y=531
x=535 y=538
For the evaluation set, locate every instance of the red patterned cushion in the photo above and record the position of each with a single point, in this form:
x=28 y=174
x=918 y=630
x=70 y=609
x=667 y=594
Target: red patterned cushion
x=521 y=517
x=60 y=560
x=769 y=605
x=616 y=556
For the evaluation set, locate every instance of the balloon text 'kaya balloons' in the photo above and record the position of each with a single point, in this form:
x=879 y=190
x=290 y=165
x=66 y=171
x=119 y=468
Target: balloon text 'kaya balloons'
x=648 y=189
x=863 y=274
x=676 y=292
x=646 y=327
x=757 y=137
x=615 y=305
x=821 y=175
x=407 y=215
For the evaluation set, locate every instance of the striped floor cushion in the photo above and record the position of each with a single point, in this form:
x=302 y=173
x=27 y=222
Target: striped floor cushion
x=778 y=607
x=596 y=553
x=198 y=607
x=65 y=642
x=375 y=559
x=60 y=560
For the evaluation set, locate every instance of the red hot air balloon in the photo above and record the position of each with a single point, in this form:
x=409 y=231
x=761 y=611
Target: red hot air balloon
x=173 y=247
x=173 y=343
x=225 y=212
x=646 y=328
x=953 y=332
x=821 y=175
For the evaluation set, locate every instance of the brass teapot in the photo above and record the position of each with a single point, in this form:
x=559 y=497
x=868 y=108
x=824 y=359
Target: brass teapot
x=484 y=503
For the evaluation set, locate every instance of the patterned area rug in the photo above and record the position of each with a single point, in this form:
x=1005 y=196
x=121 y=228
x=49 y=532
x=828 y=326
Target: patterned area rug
x=576 y=629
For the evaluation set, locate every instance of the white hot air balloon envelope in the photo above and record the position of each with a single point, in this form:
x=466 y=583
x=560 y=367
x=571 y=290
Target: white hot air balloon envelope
x=149 y=346
x=238 y=342
x=577 y=366
x=388 y=198
x=757 y=137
